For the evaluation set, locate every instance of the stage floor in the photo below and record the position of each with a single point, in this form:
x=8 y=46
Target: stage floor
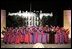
x=31 y=45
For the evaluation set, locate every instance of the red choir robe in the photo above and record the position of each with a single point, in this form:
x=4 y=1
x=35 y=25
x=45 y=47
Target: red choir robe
x=57 y=37
x=12 y=38
x=23 y=38
x=30 y=35
x=35 y=37
x=47 y=38
x=22 y=35
x=61 y=37
x=5 y=38
x=9 y=37
x=39 y=37
x=66 y=36
x=30 y=38
x=17 y=40
x=43 y=37
x=27 y=38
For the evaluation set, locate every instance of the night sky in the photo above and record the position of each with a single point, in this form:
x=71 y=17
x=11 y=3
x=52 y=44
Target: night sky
x=45 y=6
x=56 y=7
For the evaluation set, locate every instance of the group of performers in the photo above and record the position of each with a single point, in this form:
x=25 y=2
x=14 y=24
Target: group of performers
x=36 y=34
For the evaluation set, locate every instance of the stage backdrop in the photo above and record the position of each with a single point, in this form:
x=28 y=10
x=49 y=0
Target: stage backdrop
x=67 y=20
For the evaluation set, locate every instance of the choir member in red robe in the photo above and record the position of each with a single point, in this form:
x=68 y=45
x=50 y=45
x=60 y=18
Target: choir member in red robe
x=17 y=40
x=27 y=37
x=35 y=36
x=31 y=36
x=66 y=36
x=57 y=37
x=23 y=35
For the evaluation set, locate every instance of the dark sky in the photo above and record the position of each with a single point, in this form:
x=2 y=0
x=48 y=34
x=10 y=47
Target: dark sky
x=45 y=6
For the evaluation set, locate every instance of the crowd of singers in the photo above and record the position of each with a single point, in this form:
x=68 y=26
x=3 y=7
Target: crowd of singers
x=36 y=34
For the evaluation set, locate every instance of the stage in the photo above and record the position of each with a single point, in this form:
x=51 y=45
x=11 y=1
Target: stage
x=31 y=45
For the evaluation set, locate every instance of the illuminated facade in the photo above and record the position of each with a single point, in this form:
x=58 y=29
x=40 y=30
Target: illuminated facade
x=32 y=18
